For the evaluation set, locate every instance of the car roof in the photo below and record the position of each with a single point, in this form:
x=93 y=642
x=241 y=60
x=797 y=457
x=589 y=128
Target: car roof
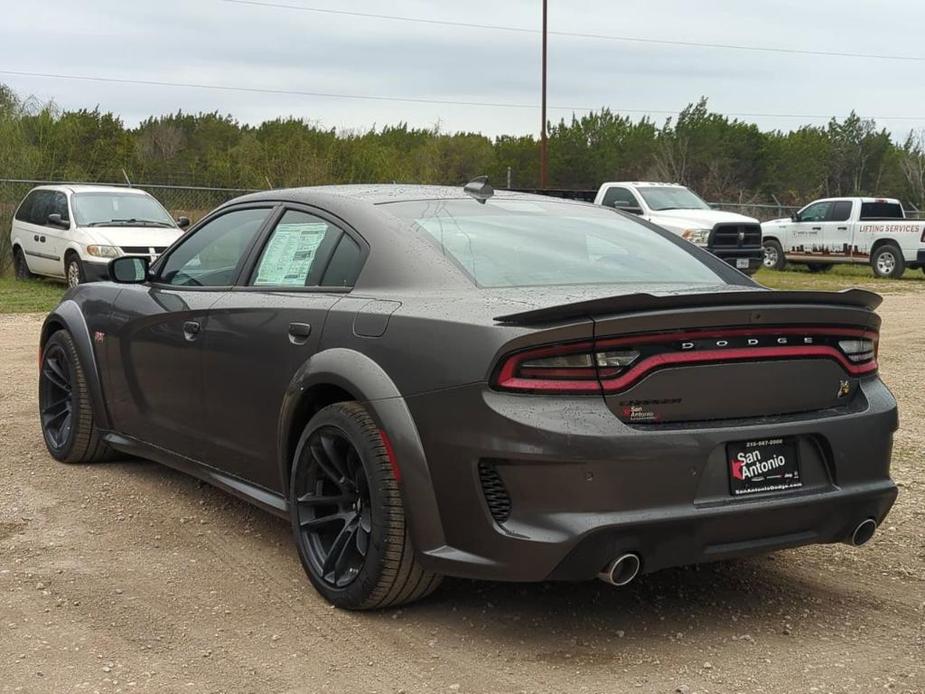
x=383 y=193
x=892 y=201
x=645 y=183
x=87 y=188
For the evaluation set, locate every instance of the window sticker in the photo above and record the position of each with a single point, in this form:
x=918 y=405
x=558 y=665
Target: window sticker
x=290 y=253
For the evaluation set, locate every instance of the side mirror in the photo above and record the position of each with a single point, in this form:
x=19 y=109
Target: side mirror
x=57 y=220
x=183 y=222
x=795 y=217
x=128 y=269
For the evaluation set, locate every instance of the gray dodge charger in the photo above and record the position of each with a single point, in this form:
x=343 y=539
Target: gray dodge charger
x=433 y=381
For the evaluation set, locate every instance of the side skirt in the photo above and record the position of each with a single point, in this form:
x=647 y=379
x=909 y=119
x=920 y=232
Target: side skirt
x=258 y=496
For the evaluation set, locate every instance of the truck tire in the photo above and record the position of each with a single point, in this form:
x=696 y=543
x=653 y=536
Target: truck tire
x=774 y=255
x=888 y=262
x=819 y=267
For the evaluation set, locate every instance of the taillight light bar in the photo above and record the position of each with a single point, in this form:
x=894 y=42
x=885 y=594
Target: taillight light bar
x=612 y=365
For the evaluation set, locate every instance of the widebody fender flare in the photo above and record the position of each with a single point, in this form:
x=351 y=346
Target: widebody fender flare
x=370 y=385
x=67 y=315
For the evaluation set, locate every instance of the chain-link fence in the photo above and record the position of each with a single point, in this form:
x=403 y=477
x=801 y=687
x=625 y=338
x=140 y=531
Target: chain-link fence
x=181 y=201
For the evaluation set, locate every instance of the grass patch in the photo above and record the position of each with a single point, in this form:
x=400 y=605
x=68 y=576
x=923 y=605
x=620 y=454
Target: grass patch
x=29 y=296
x=840 y=277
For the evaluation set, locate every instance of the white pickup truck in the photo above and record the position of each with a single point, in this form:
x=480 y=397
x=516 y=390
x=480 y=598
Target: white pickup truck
x=847 y=230
x=732 y=237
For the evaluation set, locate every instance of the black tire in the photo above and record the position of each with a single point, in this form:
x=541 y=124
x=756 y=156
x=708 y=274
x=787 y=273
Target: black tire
x=73 y=270
x=20 y=266
x=819 y=267
x=773 y=255
x=65 y=412
x=342 y=441
x=887 y=261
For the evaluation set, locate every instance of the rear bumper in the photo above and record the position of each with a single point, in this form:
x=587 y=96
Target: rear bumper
x=584 y=487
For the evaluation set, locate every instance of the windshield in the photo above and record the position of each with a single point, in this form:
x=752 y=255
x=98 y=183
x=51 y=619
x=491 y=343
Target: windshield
x=661 y=198
x=119 y=209
x=506 y=243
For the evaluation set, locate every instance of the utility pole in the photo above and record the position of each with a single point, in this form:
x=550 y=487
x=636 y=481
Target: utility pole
x=544 y=145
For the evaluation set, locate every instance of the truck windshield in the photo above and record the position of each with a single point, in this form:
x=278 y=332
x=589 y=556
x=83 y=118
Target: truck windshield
x=661 y=198
x=518 y=243
x=881 y=210
x=119 y=209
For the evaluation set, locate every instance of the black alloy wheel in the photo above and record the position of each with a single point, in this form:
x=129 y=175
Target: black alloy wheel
x=66 y=413
x=347 y=514
x=56 y=397
x=333 y=508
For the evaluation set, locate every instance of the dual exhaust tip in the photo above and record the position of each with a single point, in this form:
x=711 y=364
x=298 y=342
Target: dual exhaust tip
x=624 y=569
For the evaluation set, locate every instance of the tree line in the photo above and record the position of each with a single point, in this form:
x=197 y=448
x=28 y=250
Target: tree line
x=722 y=158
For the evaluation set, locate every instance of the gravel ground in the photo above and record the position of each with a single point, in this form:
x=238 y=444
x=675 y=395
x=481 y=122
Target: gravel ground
x=131 y=577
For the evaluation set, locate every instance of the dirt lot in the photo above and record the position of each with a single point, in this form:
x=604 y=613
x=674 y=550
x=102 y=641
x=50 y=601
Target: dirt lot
x=130 y=577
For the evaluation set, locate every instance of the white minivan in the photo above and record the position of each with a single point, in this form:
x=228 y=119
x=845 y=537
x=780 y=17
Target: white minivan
x=71 y=232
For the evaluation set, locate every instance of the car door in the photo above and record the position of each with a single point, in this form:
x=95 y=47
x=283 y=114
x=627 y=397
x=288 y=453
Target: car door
x=155 y=347
x=622 y=199
x=57 y=237
x=806 y=238
x=33 y=217
x=260 y=334
x=837 y=232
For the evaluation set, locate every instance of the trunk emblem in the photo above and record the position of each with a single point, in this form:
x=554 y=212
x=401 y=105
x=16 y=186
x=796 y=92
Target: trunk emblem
x=844 y=388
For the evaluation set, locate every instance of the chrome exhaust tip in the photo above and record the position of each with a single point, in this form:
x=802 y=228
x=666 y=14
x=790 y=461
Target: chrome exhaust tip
x=622 y=570
x=863 y=533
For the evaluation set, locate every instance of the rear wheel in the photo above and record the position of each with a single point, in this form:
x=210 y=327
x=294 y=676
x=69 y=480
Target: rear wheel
x=774 y=255
x=20 y=266
x=347 y=514
x=73 y=270
x=888 y=261
x=819 y=267
x=68 y=426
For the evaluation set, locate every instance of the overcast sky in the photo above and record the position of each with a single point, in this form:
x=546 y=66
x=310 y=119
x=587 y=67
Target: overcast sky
x=218 y=42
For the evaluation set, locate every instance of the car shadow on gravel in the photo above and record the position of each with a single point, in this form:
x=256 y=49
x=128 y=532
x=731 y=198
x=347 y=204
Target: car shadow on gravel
x=727 y=598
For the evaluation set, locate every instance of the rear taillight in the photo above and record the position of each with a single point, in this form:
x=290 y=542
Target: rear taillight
x=613 y=365
x=923 y=235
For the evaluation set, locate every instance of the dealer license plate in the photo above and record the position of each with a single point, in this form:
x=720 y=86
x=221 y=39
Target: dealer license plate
x=768 y=465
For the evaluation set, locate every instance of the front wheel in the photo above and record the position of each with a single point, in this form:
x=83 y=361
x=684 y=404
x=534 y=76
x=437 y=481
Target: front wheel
x=774 y=255
x=66 y=415
x=888 y=262
x=73 y=271
x=347 y=514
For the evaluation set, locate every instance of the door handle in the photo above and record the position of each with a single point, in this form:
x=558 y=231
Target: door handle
x=843 y=228
x=42 y=239
x=191 y=330
x=299 y=333
x=35 y=238
x=817 y=228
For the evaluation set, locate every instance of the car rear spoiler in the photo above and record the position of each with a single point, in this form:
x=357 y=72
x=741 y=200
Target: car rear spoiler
x=632 y=303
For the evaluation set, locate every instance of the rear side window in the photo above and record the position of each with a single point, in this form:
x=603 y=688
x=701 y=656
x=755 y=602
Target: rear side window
x=24 y=213
x=297 y=251
x=344 y=267
x=511 y=243
x=841 y=211
x=881 y=210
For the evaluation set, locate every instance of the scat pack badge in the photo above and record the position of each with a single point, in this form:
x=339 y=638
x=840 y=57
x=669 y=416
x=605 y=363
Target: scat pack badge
x=637 y=413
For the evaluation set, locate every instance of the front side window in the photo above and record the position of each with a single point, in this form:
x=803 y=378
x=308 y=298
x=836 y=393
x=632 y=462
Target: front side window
x=619 y=197
x=59 y=206
x=210 y=256
x=119 y=209
x=506 y=243
x=817 y=212
x=662 y=198
x=296 y=251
